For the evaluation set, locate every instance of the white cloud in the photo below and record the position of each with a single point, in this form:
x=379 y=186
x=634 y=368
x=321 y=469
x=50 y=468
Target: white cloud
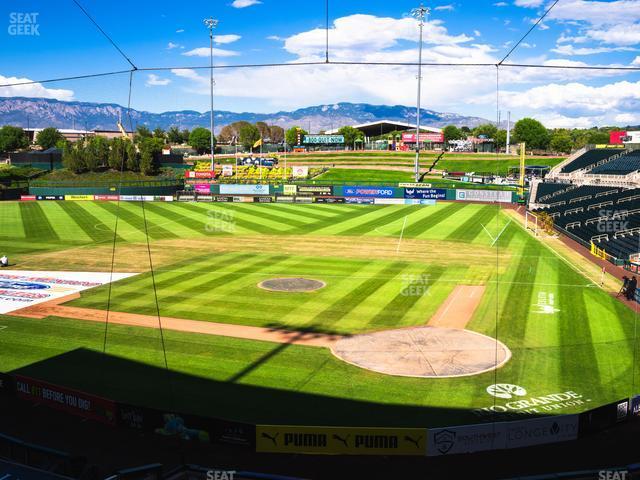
x=204 y=52
x=617 y=34
x=501 y=4
x=224 y=39
x=171 y=45
x=627 y=118
x=274 y=37
x=477 y=33
x=636 y=61
x=244 y=3
x=528 y=3
x=597 y=12
x=571 y=50
x=180 y=30
x=36 y=90
x=356 y=35
x=153 y=80
x=449 y=8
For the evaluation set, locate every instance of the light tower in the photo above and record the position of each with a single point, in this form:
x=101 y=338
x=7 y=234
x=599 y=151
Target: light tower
x=419 y=13
x=211 y=23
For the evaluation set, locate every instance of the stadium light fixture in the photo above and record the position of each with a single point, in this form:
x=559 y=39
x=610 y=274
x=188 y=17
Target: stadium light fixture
x=419 y=13
x=211 y=23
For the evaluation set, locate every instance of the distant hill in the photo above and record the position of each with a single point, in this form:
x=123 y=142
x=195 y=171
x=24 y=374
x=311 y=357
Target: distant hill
x=42 y=112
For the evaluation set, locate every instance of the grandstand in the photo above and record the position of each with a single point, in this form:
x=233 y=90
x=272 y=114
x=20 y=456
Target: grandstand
x=594 y=197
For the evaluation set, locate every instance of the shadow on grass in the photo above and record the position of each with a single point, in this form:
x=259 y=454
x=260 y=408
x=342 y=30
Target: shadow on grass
x=136 y=383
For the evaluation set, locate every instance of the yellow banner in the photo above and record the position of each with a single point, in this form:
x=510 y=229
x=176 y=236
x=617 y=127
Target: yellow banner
x=290 y=189
x=341 y=440
x=78 y=197
x=604 y=145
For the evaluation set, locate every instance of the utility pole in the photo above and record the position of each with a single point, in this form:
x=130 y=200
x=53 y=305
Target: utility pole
x=419 y=13
x=211 y=23
x=508 y=131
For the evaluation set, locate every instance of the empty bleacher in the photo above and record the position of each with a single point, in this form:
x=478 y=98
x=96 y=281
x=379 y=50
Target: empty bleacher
x=589 y=158
x=623 y=165
x=607 y=216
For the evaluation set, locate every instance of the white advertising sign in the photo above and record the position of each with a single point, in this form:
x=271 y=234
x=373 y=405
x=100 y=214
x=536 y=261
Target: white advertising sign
x=300 y=172
x=466 y=439
x=231 y=189
x=484 y=195
x=22 y=288
x=538 y=431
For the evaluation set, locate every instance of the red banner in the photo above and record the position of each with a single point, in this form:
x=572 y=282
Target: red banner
x=66 y=399
x=27 y=198
x=192 y=174
x=107 y=197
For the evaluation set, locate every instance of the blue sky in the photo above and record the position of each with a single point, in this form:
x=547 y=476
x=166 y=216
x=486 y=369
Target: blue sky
x=169 y=34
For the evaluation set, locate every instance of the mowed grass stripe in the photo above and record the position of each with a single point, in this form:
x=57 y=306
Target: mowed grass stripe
x=397 y=213
x=335 y=224
x=186 y=222
x=167 y=278
x=11 y=220
x=577 y=355
x=35 y=222
x=93 y=228
x=260 y=211
x=312 y=212
x=301 y=215
x=343 y=305
x=419 y=227
x=238 y=219
x=393 y=312
x=472 y=227
x=135 y=214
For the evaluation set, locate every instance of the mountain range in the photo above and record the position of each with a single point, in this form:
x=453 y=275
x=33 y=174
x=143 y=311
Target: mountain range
x=43 y=112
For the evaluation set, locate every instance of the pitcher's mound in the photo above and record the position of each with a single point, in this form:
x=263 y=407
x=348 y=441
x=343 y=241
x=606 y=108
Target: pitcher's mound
x=423 y=352
x=291 y=284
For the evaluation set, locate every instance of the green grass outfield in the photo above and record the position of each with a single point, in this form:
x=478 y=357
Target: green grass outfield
x=209 y=258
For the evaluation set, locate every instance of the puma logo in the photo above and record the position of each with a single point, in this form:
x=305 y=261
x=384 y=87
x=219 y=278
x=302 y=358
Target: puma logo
x=343 y=440
x=272 y=438
x=416 y=442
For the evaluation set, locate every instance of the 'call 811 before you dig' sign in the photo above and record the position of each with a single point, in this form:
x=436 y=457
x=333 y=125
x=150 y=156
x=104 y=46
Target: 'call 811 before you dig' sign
x=23 y=288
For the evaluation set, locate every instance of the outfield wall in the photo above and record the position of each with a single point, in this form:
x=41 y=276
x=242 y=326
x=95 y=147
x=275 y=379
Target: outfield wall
x=458 y=439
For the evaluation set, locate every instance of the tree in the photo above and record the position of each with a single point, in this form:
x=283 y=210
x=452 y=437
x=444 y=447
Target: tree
x=488 y=129
x=133 y=163
x=531 y=132
x=350 y=135
x=174 y=135
x=99 y=147
x=226 y=134
x=465 y=130
x=200 y=140
x=265 y=132
x=501 y=138
x=292 y=135
x=117 y=154
x=72 y=159
x=12 y=138
x=185 y=135
x=48 y=138
x=561 y=141
x=160 y=133
x=142 y=132
x=147 y=166
x=276 y=134
x=249 y=134
x=451 y=132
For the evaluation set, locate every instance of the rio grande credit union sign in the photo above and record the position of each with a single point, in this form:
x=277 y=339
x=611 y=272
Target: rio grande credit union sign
x=323 y=139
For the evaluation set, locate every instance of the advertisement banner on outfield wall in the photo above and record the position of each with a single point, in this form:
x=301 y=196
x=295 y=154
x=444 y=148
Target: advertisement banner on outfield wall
x=427 y=193
x=49 y=197
x=202 y=188
x=205 y=198
x=284 y=199
x=466 y=439
x=290 y=189
x=186 y=198
x=538 y=431
x=359 y=200
x=603 y=417
x=300 y=172
x=136 y=198
x=341 y=440
x=112 y=198
x=329 y=200
x=501 y=196
x=388 y=201
x=192 y=174
x=66 y=399
x=239 y=189
x=78 y=198
x=6 y=383
x=27 y=198
x=242 y=199
x=262 y=199
x=373 y=192
x=222 y=198
x=634 y=411
x=315 y=190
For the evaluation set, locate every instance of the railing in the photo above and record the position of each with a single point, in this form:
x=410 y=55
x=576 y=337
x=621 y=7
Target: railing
x=170 y=182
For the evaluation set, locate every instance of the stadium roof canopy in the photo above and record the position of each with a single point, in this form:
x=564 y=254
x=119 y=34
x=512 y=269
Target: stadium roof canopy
x=381 y=127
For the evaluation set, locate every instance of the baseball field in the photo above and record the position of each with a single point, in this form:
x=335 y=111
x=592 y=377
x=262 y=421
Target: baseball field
x=230 y=347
